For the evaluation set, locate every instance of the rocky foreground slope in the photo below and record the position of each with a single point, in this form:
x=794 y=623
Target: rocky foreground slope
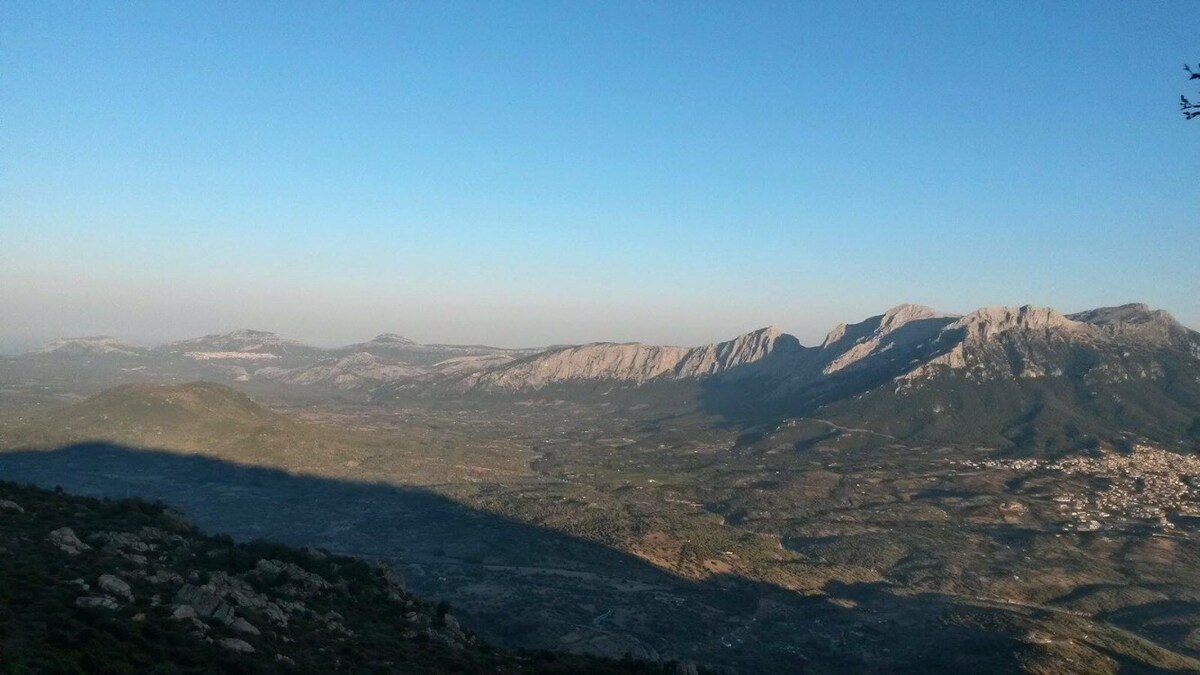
x=101 y=586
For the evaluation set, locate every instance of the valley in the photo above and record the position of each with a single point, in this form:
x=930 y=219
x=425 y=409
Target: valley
x=869 y=507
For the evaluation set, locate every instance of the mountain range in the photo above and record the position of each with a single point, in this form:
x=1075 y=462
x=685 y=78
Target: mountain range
x=1021 y=375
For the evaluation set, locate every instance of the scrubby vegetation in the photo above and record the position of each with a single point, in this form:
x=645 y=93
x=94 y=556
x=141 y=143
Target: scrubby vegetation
x=101 y=586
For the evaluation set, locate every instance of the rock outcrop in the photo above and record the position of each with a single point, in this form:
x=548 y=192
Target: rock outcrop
x=895 y=331
x=634 y=363
x=743 y=351
x=989 y=322
x=1137 y=322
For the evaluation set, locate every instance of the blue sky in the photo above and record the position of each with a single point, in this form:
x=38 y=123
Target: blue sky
x=535 y=173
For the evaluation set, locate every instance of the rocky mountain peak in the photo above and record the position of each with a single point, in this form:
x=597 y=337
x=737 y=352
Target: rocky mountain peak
x=250 y=334
x=834 y=336
x=1132 y=313
x=243 y=340
x=1135 y=321
x=901 y=314
x=770 y=331
x=743 y=350
x=391 y=339
x=94 y=345
x=988 y=322
x=879 y=326
x=756 y=343
x=897 y=330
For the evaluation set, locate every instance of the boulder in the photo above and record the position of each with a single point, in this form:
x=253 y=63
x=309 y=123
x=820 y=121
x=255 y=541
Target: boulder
x=115 y=586
x=243 y=626
x=236 y=645
x=184 y=612
x=276 y=614
x=6 y=505
x=205 y=603
x=64 y=538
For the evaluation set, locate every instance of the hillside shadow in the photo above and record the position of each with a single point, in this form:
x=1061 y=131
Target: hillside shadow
x=519 y=584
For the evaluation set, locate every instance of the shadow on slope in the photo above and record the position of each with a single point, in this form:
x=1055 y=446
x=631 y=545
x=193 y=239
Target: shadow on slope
x=522 y=585
x=797 y=385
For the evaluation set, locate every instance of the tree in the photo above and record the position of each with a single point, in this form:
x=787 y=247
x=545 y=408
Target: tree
x=1186 y=107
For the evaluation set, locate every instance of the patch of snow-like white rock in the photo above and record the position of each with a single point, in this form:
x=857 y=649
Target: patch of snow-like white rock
x=218 y=356
x=462 y=365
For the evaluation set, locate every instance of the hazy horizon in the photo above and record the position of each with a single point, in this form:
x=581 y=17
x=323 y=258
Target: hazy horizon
x=533 y=174
x=11 y=345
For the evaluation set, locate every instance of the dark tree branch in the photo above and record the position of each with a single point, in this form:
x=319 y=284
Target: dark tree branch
x=1187 y=108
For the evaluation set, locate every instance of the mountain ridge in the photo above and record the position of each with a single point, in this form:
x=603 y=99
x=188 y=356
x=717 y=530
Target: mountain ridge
x=1025 y=375
x=1116 y=317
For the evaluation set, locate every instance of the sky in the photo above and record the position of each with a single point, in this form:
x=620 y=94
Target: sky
x=532 y=173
